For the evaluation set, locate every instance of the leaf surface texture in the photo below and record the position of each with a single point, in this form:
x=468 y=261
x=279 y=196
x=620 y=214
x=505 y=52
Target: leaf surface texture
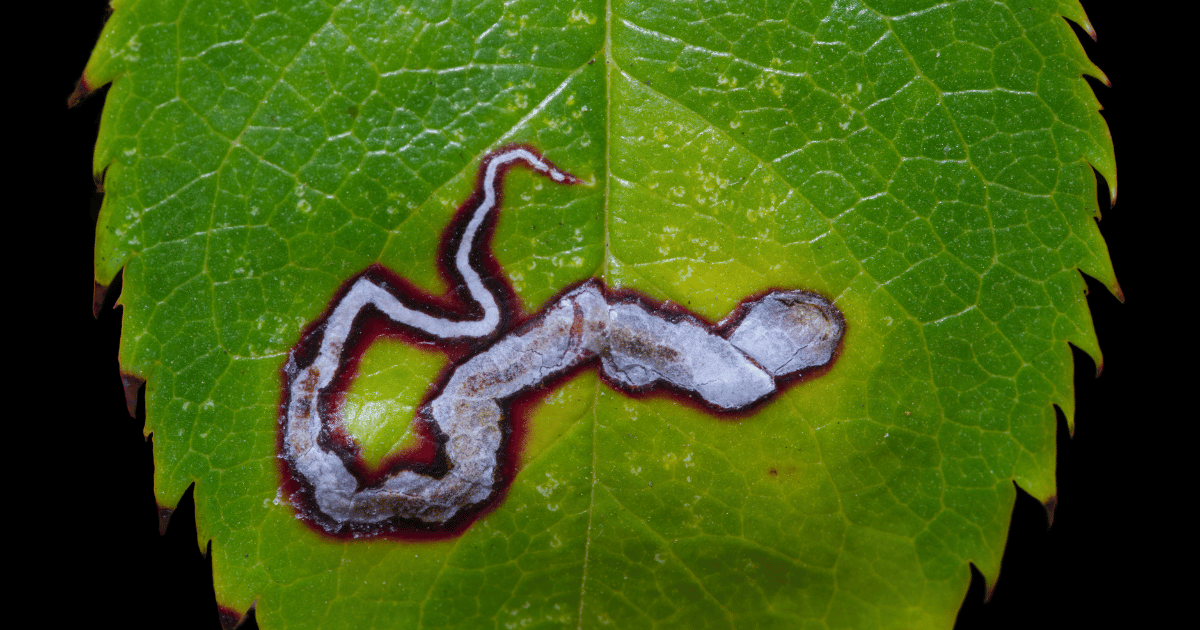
x=928 y=165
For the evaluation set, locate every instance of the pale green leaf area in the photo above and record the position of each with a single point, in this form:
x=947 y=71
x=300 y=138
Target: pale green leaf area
x=380 y=407
x=927 y=164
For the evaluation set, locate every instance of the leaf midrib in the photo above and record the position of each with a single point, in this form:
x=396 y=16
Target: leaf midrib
x=604 y=273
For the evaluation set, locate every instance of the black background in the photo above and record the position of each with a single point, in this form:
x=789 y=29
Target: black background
x=1110 y=558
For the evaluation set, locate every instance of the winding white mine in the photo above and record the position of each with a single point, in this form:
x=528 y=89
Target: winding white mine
x=638 y=348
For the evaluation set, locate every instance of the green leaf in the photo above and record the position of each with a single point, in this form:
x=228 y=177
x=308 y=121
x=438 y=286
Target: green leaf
x=927 y=165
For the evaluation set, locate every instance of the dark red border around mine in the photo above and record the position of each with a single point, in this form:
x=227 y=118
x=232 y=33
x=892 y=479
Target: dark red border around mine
x=428 y=457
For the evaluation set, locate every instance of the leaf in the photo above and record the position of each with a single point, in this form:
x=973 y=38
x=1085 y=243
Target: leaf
x=928 y=166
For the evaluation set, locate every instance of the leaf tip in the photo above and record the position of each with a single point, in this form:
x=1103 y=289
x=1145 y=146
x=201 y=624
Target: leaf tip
x=132 y=383
x=989 y=585
x=231 y=619
x=991 y=589
x=99 y=293
x=1111 y=283
x=164 y=519
x=83 y=89
x=1050 y=505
